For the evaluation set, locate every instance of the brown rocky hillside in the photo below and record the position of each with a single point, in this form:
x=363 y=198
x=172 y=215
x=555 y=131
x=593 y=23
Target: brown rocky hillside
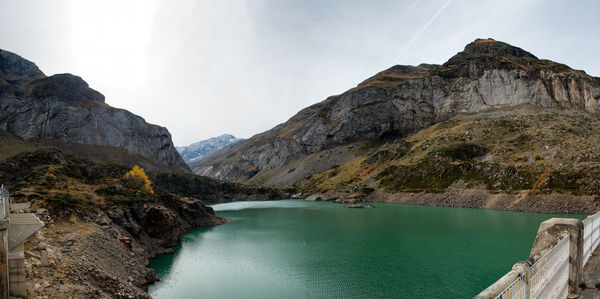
x=101 y=228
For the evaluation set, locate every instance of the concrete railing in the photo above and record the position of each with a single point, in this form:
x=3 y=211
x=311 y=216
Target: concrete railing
x=14 y=230
x=554 y=269
x=4 y=224
x=591 y=235
x=549 y=276
x=545 y=275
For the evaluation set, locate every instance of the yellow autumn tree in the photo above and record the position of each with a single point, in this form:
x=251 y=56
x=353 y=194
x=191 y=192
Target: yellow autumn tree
x=138 y=175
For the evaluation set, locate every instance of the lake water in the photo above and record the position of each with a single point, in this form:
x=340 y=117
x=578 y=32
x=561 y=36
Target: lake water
x=304 y=249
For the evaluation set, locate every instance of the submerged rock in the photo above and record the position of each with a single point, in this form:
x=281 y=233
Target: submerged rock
x=360 y=207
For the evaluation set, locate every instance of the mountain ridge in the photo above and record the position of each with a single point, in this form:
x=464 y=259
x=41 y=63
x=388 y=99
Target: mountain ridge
x=402 y=100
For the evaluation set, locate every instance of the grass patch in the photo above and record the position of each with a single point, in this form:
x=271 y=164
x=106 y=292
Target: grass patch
x=65 y=199
x=436 y=174
x=461 y=151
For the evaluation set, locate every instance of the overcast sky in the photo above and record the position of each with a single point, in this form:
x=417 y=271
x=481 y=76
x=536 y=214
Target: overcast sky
x=204 y=68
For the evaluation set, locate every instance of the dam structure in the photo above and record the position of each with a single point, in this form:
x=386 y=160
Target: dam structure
x=15 y=228
x=562 y=263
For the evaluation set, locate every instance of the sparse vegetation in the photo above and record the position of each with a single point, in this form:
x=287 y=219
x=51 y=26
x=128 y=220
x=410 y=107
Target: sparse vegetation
x=365 y=190
x=437 y=174
x=65 y=199
x=462 y=151
x=501 y=153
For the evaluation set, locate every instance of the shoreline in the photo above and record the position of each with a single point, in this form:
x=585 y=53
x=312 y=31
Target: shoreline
x=106 y=253
x=477 y=198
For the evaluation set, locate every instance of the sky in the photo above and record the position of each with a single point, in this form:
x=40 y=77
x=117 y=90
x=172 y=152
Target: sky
x=208 y=67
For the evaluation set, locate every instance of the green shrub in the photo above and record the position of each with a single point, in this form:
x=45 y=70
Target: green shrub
x=366 y=190
x=20 y=185
x=65 y=199
x=461 y=151
x=40 y=191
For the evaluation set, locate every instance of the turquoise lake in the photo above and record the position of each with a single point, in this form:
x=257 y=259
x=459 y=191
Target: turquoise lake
x=304 y=249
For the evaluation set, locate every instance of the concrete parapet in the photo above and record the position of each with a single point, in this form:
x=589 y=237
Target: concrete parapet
x=4 y=225
x=523 y=281
x=519 y=270
x=17 y=280
x=548 y=232
x=22 y=226
x=3 y=263
x=14 y=229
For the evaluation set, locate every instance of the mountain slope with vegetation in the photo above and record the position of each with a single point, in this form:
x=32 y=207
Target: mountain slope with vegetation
x=404 y=99
x=494 y=118
x=522 y=158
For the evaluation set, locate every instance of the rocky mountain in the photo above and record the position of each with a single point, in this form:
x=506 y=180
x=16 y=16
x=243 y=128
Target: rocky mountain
x=201 y=149
x=374 y=121
x=63 y=107
x=67 y=156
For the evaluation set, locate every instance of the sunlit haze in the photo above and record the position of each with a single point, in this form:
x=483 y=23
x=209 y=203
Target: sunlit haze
x=204 y=68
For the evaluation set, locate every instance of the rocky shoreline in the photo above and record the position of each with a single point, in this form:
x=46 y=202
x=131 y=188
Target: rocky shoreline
x=106 y=253
x=101 y=226
x=479 y=198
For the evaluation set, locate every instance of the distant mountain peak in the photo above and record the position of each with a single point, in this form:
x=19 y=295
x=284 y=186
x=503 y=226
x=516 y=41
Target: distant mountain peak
x=201 y=149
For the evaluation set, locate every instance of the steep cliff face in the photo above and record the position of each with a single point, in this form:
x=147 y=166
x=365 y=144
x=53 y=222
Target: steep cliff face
x=62 y=106
x=404 y=99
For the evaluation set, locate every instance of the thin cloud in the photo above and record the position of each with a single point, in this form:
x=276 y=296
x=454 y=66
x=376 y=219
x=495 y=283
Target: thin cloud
x=416 y=36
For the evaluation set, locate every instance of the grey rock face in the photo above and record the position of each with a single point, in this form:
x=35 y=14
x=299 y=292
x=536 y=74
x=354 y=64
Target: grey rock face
x=206 y=147
x=404 y=99
x=33 y=106
x=14 y=68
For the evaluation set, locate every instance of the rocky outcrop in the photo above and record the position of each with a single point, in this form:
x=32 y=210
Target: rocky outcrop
x=104 y=254
x=100 y=229
x=160 y=224
x=404 y=99
x=360 y=206
x=16 y=71
x=62 y=106
x=201 y=149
